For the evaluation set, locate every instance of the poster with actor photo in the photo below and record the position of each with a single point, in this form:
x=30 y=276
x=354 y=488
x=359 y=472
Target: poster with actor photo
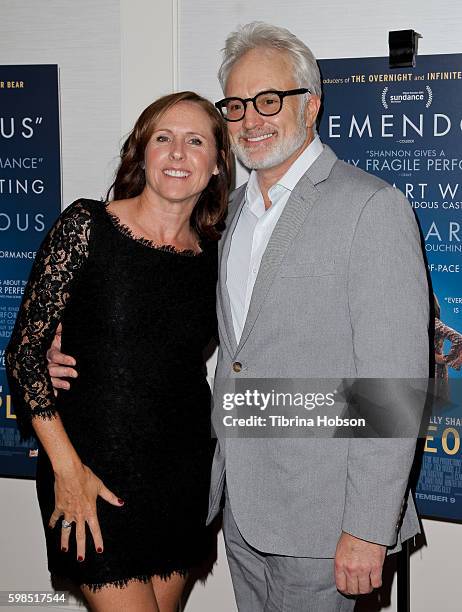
x=405 y=126
x=30 y=201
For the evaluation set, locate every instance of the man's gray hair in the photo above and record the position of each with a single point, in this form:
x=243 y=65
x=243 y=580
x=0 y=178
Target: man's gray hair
x=258 y=34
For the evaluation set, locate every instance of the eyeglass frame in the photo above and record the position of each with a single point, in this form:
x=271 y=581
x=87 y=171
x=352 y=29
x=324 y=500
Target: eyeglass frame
x=282 y=94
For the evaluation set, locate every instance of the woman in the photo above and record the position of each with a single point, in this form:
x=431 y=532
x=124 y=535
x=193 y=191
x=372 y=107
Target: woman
x=125 y=453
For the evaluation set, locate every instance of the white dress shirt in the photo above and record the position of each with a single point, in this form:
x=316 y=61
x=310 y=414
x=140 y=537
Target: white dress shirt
x=253 y=231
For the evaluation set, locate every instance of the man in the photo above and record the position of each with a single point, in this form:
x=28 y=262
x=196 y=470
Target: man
x=321 y=276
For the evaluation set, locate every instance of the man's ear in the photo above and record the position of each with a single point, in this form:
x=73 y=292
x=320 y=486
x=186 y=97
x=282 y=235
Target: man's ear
x=311 y=110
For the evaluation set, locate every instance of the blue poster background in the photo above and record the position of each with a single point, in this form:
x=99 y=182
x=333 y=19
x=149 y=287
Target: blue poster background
x=405 y=126
x=30 y=201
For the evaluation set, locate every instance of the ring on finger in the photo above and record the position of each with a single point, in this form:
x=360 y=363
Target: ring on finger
x=65 y=524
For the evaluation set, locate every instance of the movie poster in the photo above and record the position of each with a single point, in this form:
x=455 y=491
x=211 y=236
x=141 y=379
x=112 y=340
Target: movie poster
x=405 y=126
x=30 y=201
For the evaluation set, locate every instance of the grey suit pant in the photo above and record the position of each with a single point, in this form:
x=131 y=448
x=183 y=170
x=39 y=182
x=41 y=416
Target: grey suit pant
x=275 y=583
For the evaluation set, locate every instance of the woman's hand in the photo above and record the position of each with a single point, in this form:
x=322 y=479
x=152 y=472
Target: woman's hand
x=60 y=366
x=440 y=358
x=76 y=491
x=454 y=357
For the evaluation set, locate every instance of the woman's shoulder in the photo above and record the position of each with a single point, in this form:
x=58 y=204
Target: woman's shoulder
x=75 y=222
x=209 y=250
x=82 y=207
x=81 y=213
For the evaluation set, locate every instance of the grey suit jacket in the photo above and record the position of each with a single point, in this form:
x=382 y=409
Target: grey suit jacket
x=341 y=292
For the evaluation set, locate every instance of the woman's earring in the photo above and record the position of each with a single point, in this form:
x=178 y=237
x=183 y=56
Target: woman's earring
x=142 y=165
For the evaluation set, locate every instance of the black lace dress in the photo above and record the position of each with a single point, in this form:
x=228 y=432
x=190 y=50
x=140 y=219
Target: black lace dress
x=136 y=317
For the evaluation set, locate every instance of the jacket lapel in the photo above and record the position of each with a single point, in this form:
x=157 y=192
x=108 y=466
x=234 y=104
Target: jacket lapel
x=292 y=218
x=225 y=319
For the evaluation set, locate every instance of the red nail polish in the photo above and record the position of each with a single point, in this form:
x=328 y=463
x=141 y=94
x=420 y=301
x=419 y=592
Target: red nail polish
x=99 y=549
x=121 y=502
x=63 y=549
x=80 y=559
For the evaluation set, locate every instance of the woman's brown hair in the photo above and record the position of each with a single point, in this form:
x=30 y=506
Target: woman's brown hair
x=209 y=213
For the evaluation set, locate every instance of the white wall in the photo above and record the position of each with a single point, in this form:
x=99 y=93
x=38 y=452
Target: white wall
x=124 y=81
x=149 y=43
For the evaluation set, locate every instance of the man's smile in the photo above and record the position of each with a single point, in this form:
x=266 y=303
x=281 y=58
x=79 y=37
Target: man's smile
x=255 y=140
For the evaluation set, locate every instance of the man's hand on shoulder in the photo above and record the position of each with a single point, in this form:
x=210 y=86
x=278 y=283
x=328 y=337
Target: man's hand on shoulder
x=358 y=565
x=60 y=366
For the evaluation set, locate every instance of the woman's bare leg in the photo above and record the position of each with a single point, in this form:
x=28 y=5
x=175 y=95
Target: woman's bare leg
x=168 y=592
x=135 y=597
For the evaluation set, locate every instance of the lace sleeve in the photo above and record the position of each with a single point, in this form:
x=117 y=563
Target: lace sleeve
x=60 y=257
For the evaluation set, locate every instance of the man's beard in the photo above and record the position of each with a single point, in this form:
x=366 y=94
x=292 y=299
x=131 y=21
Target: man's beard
x=277 y=154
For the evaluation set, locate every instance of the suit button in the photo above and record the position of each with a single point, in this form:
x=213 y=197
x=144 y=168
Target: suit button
x=237 y=367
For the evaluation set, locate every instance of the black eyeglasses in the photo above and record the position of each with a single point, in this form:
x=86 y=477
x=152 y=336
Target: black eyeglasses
x=267 y=103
